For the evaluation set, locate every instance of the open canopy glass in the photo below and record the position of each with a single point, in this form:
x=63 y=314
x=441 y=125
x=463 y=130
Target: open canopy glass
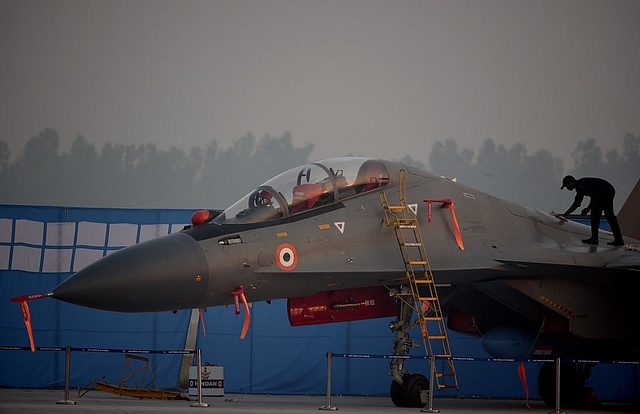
x=307 y=187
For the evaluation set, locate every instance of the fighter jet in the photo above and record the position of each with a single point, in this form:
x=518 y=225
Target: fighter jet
x=325 y=236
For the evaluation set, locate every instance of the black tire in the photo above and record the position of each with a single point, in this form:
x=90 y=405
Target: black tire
x=408 y=394
x=395 y=392
x=412 y=388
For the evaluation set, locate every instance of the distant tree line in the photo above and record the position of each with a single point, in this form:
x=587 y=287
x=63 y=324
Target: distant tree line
x=142 y=176
x=534 y=180
x=145 y=177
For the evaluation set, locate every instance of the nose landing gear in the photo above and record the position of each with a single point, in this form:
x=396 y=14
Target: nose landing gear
x=406 y=388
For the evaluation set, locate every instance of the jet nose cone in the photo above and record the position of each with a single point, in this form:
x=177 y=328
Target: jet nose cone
x=166 y=273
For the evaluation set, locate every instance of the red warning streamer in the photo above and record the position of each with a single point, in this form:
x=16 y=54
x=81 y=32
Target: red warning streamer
x=204 y=329
x=237 y=295
x=28 y=297
x=523 y=378
x=447 y=203
x=27 y=321
x=26 y=314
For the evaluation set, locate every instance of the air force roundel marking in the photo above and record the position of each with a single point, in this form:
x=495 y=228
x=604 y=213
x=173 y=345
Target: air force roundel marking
x=286 y=256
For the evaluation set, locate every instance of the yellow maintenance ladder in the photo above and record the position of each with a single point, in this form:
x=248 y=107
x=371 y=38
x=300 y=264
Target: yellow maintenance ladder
x=423 y=295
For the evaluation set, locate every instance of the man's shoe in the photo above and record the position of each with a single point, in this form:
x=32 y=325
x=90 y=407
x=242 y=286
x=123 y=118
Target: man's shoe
x=616 y=243
x=590 y=241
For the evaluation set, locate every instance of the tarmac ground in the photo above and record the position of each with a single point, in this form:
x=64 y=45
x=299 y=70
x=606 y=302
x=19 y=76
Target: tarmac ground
x=28 y=401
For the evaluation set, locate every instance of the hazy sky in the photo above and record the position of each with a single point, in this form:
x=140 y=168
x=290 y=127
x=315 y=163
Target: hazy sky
x=380 y=78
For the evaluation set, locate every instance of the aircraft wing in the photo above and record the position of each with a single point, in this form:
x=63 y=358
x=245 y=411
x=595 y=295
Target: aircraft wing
x=622 y=268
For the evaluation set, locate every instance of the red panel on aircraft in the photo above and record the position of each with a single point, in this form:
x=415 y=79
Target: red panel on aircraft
x=460 y=321
x=554 y=323
x=341 y=306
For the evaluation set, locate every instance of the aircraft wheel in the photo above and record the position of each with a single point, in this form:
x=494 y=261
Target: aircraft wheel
x=408 y=394
x=396 y=394
x=573 y=392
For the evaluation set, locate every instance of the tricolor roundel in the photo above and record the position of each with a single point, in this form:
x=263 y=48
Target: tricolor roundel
x=286 y=256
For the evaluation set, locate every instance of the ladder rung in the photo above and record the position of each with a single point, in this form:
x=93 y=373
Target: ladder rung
x=432 y=318
x=441 y=386
x=436 y=336
x=424 y=280
x=417 y=262
x=444 y=381
x=405 y=226
x=427 y=299
x=411 y=244
x=396 y=208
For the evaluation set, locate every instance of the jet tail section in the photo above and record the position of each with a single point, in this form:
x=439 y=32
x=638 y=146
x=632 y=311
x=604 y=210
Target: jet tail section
x=629 y=213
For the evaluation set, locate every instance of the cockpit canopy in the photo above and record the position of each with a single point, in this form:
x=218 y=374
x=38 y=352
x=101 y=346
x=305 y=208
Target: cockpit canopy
x=309 y=186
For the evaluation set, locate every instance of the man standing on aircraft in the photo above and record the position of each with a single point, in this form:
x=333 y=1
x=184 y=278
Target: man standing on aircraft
x=601 y=193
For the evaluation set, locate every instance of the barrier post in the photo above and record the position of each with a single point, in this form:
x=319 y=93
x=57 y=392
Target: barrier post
x=557 y=411
x=67 y=374
x=328 y=405
x=199 y=403
x=432 y=360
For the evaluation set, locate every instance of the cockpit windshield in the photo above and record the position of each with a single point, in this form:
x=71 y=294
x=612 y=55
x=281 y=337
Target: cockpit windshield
x=309 y=186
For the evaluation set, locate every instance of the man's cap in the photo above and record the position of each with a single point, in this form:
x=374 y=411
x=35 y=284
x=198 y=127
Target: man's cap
x=566 y=180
